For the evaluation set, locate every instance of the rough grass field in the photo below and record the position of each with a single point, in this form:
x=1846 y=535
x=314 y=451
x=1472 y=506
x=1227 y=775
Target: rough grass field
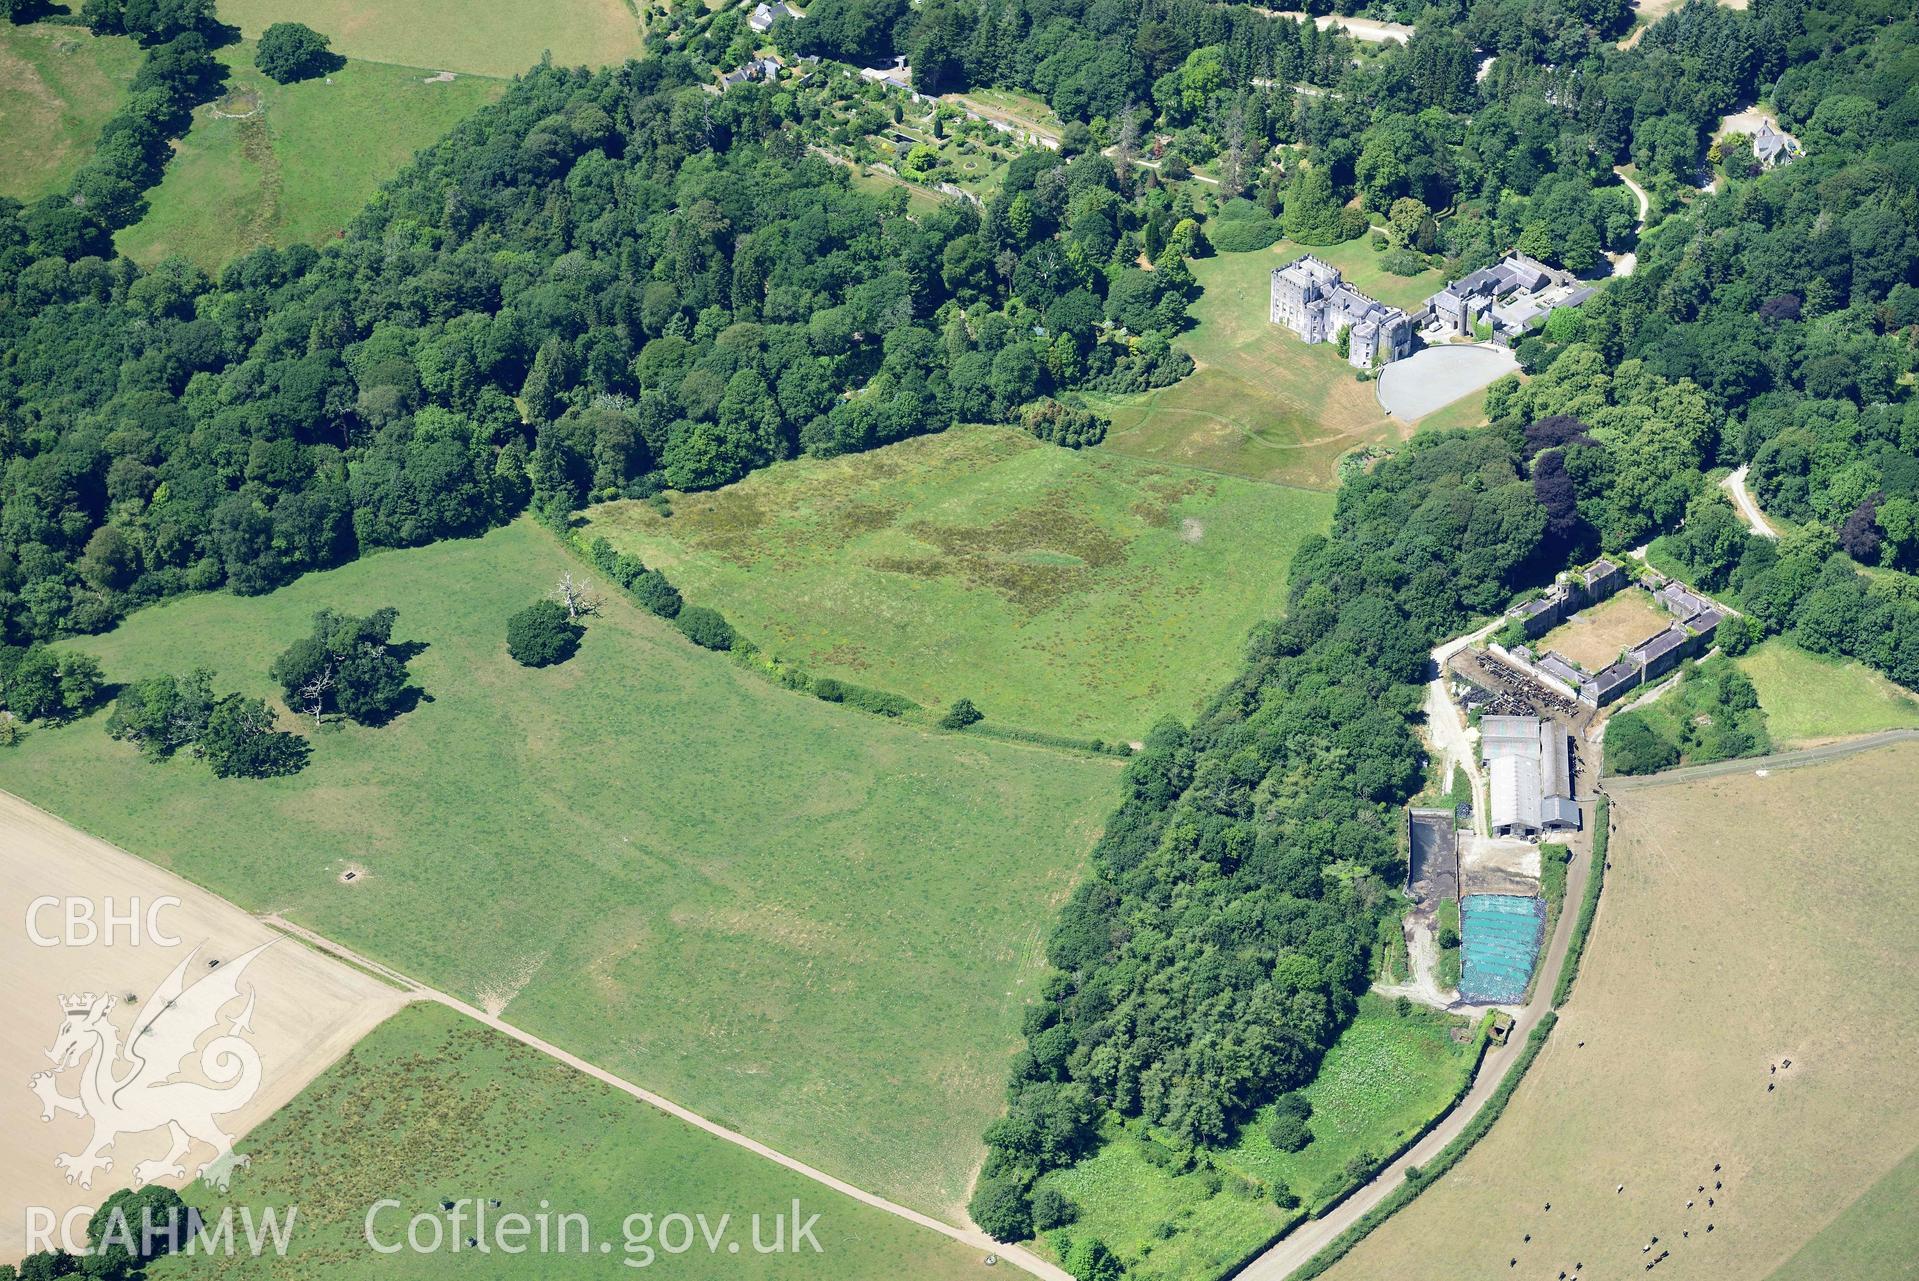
x=1261 y=403
x=1385 y=1078
x=431 y=1105
x=1069 y=591
x=284 y=164
x=1595 y=636
x=58 y=85
x=1746 y=920
x=478 y=37
x=1809 y=697
x=806 y=922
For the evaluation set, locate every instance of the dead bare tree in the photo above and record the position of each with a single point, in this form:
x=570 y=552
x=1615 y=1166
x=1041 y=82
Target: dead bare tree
x=580 y=603
x=1126 y=146
x=1232 y=165
x=314 y=692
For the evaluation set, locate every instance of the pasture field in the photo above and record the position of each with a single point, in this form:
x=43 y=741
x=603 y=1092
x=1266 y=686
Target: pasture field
x=307 y=1010
x=1595 y=636
x=435 y=1106
x=1810 y=697
x=473 y=37
x=808 y=923
x=1746 y=920
x=1386 y=1077
x=285 y=164
x=58 y=85
x=1071 y=591
x=1260 y=403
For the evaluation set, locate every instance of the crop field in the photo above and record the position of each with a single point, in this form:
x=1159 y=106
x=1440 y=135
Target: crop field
x=1069 y=591
x=284 y=164
x=809 y=923
x=1595 y=636
x=474 y=37
x=1810 y=697
x=1261 y=403
x=1382 y=1081
x=1746 y=921
x=58 y=85
x=306 y=1009
x=434 y=1106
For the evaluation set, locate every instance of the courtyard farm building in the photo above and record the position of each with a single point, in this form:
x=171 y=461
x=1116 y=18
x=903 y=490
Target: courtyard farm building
x=1512 y=296
x=1530 y=764
x=1311 y=299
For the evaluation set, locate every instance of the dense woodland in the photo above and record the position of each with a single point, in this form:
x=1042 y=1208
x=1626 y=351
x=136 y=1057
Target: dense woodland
x=602 y=285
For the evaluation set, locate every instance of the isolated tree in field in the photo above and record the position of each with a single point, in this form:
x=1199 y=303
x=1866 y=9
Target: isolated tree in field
x=161 y=714
x=542 y=634
x=292 y=51
x=347 y=664
x=961 y=714
x=240 y=741
x=37 y=683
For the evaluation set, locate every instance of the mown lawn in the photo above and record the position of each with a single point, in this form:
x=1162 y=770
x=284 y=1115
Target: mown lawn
x=58 y=85
x=810 y=923
x=1810 y=696
x=285 y=164
x=1261 y=403
x=1075 y=592
x=1385 y=1078
x=434 y=1106
x=477 y=37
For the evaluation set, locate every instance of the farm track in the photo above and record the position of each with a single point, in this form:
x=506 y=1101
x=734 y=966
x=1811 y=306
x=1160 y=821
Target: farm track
x=1020 y=1258
x=1751 y=764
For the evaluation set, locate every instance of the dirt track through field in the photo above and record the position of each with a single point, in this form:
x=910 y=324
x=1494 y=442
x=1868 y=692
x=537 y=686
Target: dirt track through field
x=967 y=1236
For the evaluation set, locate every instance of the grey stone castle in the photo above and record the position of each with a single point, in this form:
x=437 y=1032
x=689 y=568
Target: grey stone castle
x=1311 y=299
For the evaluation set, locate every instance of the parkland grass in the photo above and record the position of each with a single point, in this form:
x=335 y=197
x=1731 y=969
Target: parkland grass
x=1261 y=403
x=1747 y=920
x=811 y=924
x=476 y=37
x=432 y=1106
x=58 y=85
x=1381 y=1084
x=273 y=164
x=1075 y=592
x=1811 y=697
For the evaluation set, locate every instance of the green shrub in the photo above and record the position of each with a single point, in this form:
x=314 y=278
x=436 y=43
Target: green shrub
x=1288 y=1132
x=1634 y=746
x=290 y=51
x=706 y=628
x=961 y=714
x=541 y=635
x=1052 y=1209
x=1000 y=1207
x=1245 y=235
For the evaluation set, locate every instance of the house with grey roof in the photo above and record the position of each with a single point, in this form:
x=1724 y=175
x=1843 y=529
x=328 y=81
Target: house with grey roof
x=1312 y=299
x=1513 y=295
x=765 y=15
x=1771 y=146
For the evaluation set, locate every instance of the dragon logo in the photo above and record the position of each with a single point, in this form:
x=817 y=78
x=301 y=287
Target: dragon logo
x=131 y=1089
